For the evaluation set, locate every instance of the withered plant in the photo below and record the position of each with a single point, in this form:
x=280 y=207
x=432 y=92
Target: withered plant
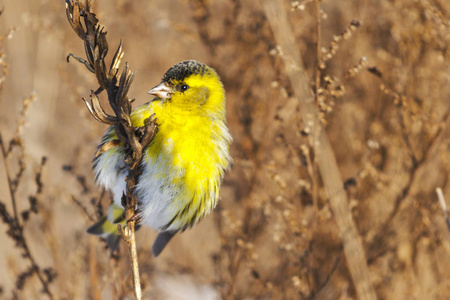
x=133 y=139
x=13 y=157
x=13 y=152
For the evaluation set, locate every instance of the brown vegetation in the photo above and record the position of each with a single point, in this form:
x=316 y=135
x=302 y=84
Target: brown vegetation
x=382 y=86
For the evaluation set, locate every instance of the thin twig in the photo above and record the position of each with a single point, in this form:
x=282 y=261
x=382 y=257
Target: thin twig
x=326 y=160
x=443 y=205
x=83 y=208
x=313 y=168
x=318 y=53
x=128 y=234
x=10 y=185
x=18 y=227
x=414 y=172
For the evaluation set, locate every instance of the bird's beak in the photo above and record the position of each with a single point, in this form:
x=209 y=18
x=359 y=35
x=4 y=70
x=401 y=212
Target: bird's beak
x=162 y=91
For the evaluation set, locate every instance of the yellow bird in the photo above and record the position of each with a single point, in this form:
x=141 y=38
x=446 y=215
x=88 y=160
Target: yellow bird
x=182 y=167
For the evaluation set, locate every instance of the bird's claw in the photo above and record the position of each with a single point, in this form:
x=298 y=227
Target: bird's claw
x=136 y=217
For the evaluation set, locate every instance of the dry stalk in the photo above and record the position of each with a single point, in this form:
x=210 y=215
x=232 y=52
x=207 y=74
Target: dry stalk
x=325 y=158
x=443 y=206
x=318 y=52
x=16 y=226
x=133 y=139
x=312 y=170
x=417 y=164
x=16 y=221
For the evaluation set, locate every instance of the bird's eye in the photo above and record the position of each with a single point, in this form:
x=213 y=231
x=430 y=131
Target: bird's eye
x=184 y=87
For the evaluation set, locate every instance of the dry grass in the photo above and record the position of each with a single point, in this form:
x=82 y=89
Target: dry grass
x=383 y=99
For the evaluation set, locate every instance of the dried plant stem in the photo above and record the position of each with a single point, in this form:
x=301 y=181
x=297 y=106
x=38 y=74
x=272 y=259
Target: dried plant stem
x=93 y=270
x=318 y=37
x=128 y=234
x=325 y=158
x=443 y=205
x=134 y=261
x=134 y=139
x=12 y=190
x=20 y=237
x=313 y=171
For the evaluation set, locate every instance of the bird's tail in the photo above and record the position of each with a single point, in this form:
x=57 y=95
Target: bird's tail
x=106 y=227
x=161 y=241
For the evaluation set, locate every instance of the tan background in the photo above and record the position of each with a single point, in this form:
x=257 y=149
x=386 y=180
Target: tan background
x=265 y=240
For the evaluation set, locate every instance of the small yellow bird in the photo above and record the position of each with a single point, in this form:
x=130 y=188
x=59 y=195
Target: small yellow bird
x=182 y=167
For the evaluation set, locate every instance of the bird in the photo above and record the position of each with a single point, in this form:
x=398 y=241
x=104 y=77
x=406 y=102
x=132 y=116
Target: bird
x=182 y=167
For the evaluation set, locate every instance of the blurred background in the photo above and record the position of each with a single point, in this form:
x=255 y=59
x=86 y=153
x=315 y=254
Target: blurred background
x=384 y=99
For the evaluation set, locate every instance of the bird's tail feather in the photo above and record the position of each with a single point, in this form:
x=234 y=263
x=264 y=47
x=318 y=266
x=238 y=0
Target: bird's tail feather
x=161 y=241
x=106 y=227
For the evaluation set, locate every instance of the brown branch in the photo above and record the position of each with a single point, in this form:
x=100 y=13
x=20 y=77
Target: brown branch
x=312 y=163
x=318 y=53
x=83 y=208
x=134 y=139
x=326 y=160
x=417 y=166
x=443 y=206
x=16 y=227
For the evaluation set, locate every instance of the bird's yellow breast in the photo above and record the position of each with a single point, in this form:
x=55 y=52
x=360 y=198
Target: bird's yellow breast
x=187 y=156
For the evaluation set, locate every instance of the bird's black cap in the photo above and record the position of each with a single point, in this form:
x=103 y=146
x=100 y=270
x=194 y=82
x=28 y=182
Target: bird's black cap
x=184 y=69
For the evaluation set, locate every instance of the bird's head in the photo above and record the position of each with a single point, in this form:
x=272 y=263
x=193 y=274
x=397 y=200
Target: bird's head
x=191 y=86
